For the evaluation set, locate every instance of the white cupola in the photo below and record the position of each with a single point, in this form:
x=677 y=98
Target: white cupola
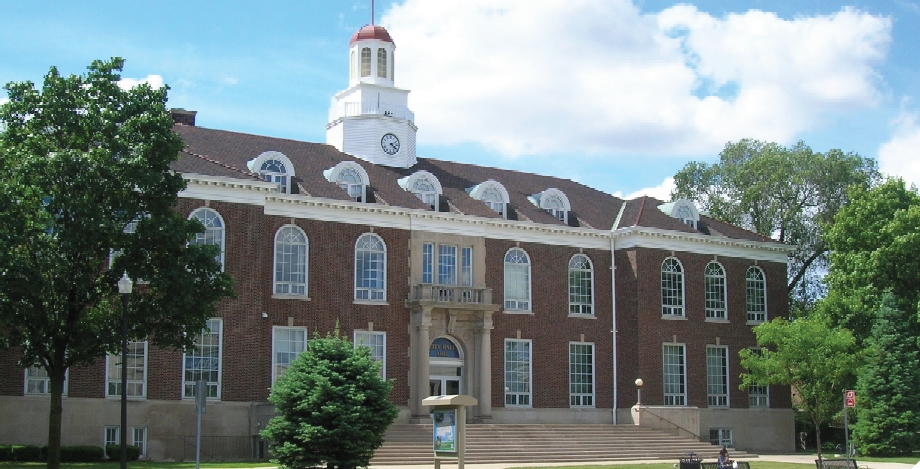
x=371 y=119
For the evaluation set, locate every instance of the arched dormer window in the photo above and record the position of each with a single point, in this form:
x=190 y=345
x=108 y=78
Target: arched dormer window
x=493 y=194
x=555 y=202
x=365 y=61
x=274 y=167
x=382 y=62
x=425 y=186
x=351 y=177
x=683 y=210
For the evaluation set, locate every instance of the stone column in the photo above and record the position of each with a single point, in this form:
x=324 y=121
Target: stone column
x=485 y=366
x=420 y=343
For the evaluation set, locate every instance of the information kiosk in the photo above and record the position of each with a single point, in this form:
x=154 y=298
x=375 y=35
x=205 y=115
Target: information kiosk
x=449 y=423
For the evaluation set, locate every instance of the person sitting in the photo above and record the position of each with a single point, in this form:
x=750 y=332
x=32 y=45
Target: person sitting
x=724 y=461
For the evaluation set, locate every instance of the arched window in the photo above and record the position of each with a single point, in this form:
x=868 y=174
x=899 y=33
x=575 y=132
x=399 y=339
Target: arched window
x=423 y=185
x=493 y=194
x=351 y=177
x=274 y=167
x=581 y=285
x=714 y=278
x=493 y=199
x=370 y=268
x=756 y=295
x=557 y=209
x=553 y=201
x=366 y=62
x=351 y=65
x=517 y=280
x=274 y=171
x=291 y=261
x=213 y=231
x=672 y=288
x=382 y=62
x=392 y=66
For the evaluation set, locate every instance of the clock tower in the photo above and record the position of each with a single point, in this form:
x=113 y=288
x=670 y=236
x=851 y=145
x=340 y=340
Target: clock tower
x=371 y=119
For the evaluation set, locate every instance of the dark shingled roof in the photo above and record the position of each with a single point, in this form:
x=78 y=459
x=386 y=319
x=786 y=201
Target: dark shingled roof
x=224 y=153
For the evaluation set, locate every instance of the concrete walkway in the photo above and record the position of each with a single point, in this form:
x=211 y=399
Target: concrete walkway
x=792 y=458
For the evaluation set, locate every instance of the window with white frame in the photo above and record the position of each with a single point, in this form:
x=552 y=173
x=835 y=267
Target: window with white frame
x=517 y=280
x=351 y=65
x=427 y=263
x=213 y=231
x=466 y=266
x=353 y=183
x=493 y=194
x=517 y=373
x=714 y=278
x=758 y=395
x=447 y=264
x=675 y=374
x=381 y=62
x=756 y=295
x=287 y=344
x=721 y=437
x=581 y=285
x=203 y=362
x=672 y=288
x=291 y=250
x=493 y=199
x=581 y=374
x=556 y=208
x=39 y=382
x=365 y=61
x=370 y=268
x=376 y=342
x=717 y=376
x=139 y=439
x=274 y=171
x=112 y=435
x=136 y=359
x=426 y=192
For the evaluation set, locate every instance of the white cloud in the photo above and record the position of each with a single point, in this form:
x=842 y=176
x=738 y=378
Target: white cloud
x=524 y=77
x=660 y=192
x=4 y=100
x=155 y=82
x=900 y=156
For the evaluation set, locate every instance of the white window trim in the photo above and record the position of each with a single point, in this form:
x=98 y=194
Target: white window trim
x=480 y=189
x=383 y=359
x=355 y=270
x=747 y=313
x=693 y=220
x=516 y=307
x=255 y=166
x=306 y=266
x=47 y=380
x=590 y=270
x=720 y=441
x=117 y=356
x=766 y=388
x=706 y=278
x=593 y=377
x=223 y=232
x=725 y=376
x=683 y=292
x=541 y=199
x=332 y=175
x=220 y=364
x=529 y=393
x=275 y=330
x=683 y=395
x=408 y=184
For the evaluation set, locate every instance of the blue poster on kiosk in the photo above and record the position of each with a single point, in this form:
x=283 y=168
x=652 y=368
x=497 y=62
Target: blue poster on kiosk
x=445 y=430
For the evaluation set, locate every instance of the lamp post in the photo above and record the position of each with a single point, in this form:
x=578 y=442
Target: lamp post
x=639 y=384
x=124 y=290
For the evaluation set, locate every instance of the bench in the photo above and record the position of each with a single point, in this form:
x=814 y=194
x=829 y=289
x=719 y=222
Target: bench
x=822 y=463
x=715 y=465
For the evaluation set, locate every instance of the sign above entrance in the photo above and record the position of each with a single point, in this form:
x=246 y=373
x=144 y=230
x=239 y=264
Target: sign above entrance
x=443 y=348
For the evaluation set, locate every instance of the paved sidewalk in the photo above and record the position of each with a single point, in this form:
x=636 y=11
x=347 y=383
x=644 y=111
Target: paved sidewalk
x=793 y=458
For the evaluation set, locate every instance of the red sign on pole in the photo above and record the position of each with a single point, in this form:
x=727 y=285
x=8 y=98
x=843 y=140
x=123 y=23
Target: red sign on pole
x=849 y=398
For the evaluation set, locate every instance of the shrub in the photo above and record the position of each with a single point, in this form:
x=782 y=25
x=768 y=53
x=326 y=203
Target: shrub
x=114 y=452
x=5 y=454
x=26 y=453
x=81 y=454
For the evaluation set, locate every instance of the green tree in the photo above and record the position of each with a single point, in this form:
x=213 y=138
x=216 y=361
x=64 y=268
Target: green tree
x=875 y=243
x=331 y=407
x=817 y=360
x=889 y=387
x=786 y=193
x=82 y=159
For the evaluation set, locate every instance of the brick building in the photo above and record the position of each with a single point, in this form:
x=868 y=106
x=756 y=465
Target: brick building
x=541 y=297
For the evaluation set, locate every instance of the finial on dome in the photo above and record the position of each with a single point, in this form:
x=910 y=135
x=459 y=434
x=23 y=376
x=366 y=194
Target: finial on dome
x=372 y=12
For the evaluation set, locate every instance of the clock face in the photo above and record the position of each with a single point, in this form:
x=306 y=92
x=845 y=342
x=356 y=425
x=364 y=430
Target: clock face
x=390 y=144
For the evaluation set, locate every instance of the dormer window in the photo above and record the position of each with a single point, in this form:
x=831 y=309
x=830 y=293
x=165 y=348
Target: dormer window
x=351 y=177
x=274 y=167
x=493 y=200
x=555 y=202
x=683 y=210
x=425 y=186
x=493 y=194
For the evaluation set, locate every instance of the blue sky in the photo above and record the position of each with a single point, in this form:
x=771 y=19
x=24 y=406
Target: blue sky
x=616 y=94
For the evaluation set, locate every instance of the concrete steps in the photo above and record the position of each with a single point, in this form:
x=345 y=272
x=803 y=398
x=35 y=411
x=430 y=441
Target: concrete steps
x=492 y=443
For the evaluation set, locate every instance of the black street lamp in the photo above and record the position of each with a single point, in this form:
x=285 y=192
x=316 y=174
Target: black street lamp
x=124 y=290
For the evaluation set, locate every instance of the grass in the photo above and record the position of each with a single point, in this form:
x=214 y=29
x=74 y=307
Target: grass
x=754 y=465
x=139 y=465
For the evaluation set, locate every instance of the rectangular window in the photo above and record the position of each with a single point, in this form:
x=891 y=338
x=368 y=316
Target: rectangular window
x=38 y=381
x=466 y=266
x=675 y=378
x=112 y=436
x=581 y=374
x=517 y=372
x=140 y=439
x=204 y=362
x=447 y=264
x=137 y=371
x=377 y=343
x=427 y=263
x=287 y=344
x=758 y=396
x=717 y=376
x=721 y=437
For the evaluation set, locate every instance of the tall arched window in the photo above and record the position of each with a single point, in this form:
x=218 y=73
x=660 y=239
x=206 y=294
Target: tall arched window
x=756 y=295
x=382 y=62
x=714 y=278
x=274 y=171
x=672 y=288
x=581 y=285
x=351 y=181
x=370 y=268
x=291 y=261
x=517 y=280
x=366 y=62
x=213 y=231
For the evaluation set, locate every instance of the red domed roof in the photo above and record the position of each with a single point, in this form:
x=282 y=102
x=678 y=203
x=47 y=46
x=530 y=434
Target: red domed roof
x=371 y=31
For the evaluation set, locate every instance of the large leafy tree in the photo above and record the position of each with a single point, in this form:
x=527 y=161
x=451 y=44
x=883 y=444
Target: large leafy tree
x=875 y=244
x=786 y=193
x=82 y=159
x=889 y=387
x=331 y=407
x=816 y=359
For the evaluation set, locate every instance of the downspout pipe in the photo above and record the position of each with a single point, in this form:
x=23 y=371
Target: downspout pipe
x=613 y=330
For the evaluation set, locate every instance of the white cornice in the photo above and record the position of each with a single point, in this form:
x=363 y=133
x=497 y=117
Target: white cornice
x=265 y=194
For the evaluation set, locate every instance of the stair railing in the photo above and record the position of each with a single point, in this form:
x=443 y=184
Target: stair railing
x=677 y=427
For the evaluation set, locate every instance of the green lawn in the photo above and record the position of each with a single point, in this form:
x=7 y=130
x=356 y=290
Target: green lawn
x=139 y=465
x=754 y=465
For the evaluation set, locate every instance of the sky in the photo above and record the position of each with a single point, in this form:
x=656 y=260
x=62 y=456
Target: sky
x=615 y=94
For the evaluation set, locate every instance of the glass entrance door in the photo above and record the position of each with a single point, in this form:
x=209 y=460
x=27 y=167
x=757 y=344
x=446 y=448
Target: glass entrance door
x=443 y=385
